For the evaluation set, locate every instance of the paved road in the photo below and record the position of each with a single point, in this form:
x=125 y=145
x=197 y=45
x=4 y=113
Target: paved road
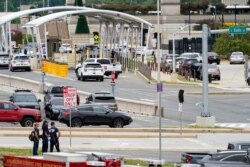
x=223 y=106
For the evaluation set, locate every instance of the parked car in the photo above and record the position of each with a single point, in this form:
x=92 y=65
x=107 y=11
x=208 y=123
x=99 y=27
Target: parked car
x=108 y=67
x=192 y=157
x=90 y=71
x=186 y=64
x=9 y=112
x=20 y=61
x=192 y=55
x=55 y=91
x=53 y=107
x=239 y=145
x=4 y=60
x=65 y=48
x=237 y=58
x=213 y=57
x=94 y=114
x=226 y=156
x=25 y=99
x=179 y=61
x=79 y=48
x=213 y=70
x=103 y=98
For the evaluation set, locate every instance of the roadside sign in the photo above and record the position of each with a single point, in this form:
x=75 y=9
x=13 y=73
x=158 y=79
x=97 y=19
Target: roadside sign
x=159 y=87
x=69 y=97
x=238 y=30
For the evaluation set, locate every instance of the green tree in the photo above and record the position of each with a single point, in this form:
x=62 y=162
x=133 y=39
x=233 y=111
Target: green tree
x=82 y=26
x=16 y=36
x=226 y=43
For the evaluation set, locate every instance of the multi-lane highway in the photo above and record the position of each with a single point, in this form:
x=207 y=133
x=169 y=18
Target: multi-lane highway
x=227 y=108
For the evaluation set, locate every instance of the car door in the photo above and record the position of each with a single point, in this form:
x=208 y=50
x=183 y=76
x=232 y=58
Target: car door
x=101 y=115
x=10 y=112
x=3 y=113
x=87 y=114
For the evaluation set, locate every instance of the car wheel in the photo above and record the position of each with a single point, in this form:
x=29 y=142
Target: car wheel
x=116 y=76
x=218 y=78
x=12 y=69
x=76 y=122
x=218 y=63
x=82 y=78
x=101 y=79
x=27 y=122
x=118 y=123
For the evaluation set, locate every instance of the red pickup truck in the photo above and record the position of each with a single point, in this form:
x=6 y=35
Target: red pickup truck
x=9 y=112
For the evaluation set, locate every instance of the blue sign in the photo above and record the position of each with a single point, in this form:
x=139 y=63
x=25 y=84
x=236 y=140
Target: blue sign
x=159 y=87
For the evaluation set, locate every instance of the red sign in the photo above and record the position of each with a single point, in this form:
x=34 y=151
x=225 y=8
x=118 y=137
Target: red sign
x=69 y=97
x=12 y=161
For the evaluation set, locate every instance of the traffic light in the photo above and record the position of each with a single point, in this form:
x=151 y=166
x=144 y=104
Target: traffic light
x=181 y=96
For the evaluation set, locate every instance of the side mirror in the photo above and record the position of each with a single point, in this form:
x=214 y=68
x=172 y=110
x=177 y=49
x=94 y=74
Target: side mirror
x=11 y=98
x=39 y=100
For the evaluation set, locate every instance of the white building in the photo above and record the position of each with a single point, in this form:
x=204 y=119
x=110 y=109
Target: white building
x=233 y=2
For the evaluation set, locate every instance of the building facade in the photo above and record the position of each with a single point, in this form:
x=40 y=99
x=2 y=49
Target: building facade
x=233 y=2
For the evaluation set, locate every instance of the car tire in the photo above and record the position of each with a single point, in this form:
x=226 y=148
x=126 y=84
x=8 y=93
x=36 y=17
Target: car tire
x=116 y=76
x=218 y=78
x=82 y=78
x=76 y=122
x=12 y=69
x=118 y=123
x=101 y=79
x=218 y=63
x=27 y=122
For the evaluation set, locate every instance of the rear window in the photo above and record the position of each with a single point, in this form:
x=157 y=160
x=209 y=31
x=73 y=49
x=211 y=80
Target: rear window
x=237 y=53
x=21 y=58
x=103 y=61
x=93 y=66
x=25 y=98
x=57 y=101
x=57 y=90
x=105 y=99
x=4 y=56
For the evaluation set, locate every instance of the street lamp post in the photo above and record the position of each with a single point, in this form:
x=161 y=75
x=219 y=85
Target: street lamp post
x=235 y=14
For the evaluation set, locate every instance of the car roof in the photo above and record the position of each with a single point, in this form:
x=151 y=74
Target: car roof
x=5 y=101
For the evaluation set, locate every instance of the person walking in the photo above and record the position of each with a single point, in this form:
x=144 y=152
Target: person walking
x=36 y=139
x=45 y=136
x=54 y=137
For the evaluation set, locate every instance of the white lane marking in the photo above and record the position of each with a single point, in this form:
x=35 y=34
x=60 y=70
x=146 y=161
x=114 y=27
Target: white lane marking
x=147 y=100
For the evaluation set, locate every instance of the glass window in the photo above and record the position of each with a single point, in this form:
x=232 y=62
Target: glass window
x=105 y=99
x=238 y=157
x=25 y=98
x=21 y=58
x=85 y=108
x=9 y=106
x=1 y=106
x=103 y=61
x=99 y=109
x=89 y=61
x=57 y=90
x=54 y=47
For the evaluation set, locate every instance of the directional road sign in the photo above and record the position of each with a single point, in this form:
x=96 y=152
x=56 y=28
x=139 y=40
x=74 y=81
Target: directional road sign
x=238 y=30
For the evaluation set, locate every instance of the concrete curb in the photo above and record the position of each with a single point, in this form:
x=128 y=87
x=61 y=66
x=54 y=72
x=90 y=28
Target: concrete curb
x=108 y=135
x=145 y=130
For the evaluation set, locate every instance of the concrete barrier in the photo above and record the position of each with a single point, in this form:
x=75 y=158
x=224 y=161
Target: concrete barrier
x=133 y=106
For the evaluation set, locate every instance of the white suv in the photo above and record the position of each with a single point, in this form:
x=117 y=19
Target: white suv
x=20 y=61
x=90 y=71
x=192 y=55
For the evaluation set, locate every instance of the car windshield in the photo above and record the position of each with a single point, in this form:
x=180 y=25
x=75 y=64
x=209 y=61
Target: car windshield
x=58 y=90
x=4 y=56
x=105 y=99
x=57 y=101
x=103 y=61
x=93 y=66
x=25 y=98
x=21 y=58
x=89 y=61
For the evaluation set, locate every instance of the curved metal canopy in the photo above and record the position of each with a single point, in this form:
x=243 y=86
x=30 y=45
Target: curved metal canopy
x=19 y=14
x=98 y=14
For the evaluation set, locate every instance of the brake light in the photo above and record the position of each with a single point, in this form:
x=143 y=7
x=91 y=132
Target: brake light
x=66 y=113
x=189 y=159
x=85 y=70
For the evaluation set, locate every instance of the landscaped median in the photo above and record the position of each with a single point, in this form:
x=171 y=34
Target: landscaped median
x=55 y=68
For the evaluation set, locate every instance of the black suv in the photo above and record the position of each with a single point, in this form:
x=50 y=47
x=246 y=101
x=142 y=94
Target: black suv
x=104 y=98
x=25 y=99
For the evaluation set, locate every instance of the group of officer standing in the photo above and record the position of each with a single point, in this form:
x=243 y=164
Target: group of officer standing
x=49 y=135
